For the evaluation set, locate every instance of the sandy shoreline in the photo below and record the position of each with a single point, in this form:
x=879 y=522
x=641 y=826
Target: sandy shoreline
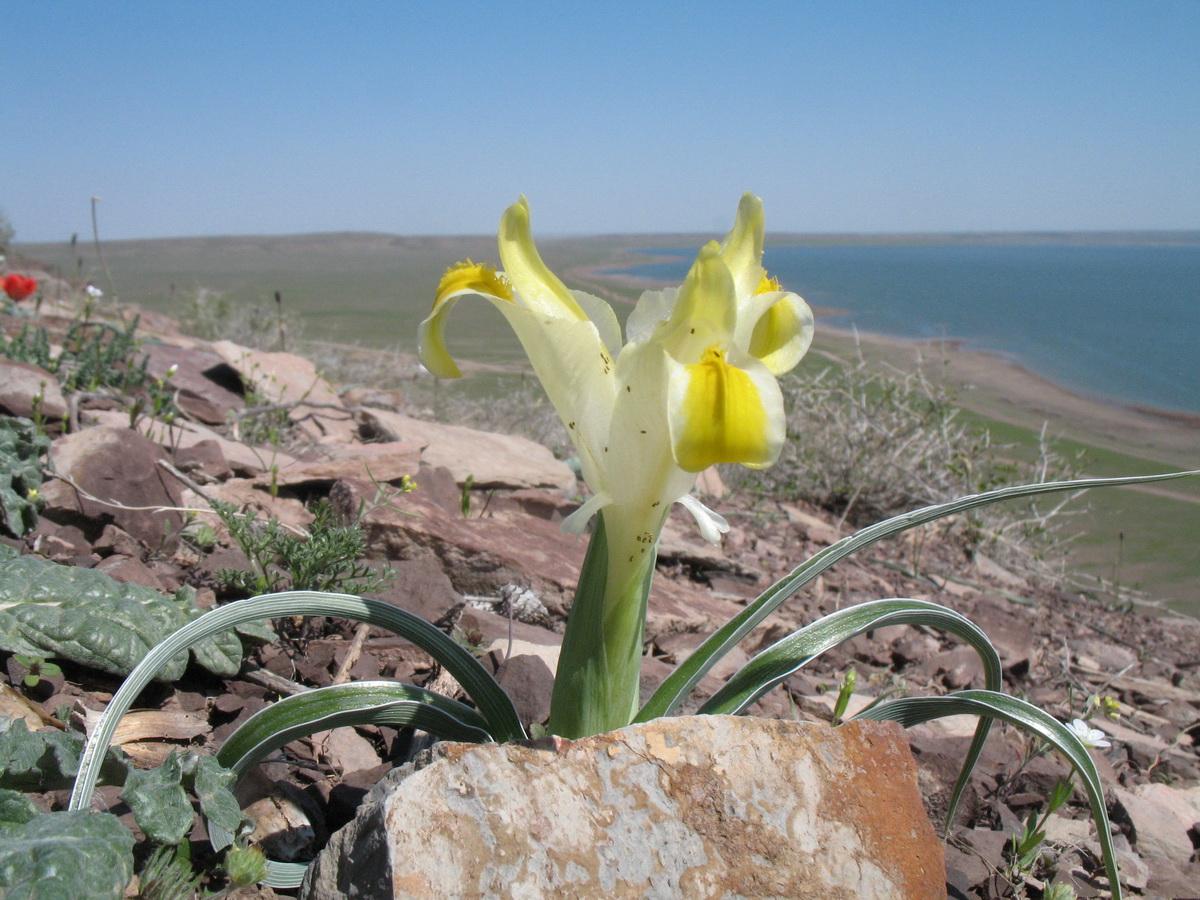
x=1002 y=389
x=992 y=385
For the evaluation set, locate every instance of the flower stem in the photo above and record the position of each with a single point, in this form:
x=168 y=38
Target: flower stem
x=597 y=685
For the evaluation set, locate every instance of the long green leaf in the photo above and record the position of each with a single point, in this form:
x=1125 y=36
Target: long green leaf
x=687 y=675
x=801 y=647
x=495 y=706
x=338 y=706
x=259 y=734
x=910 y=711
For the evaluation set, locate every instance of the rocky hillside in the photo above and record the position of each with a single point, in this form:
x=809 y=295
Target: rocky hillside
x=134 y=466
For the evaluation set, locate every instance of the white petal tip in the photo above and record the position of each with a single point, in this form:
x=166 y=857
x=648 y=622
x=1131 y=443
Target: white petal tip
x=712 y=525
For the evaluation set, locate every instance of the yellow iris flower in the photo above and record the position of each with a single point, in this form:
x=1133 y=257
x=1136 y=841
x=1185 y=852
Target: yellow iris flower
x=693 y=384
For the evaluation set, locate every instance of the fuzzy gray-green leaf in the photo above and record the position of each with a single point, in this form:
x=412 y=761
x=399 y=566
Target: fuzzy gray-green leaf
x=47 y=760
x=15 y=809
x=213 y=786
x=159 y=802
x=82 y=615
x=21 y=452
x=66 y=856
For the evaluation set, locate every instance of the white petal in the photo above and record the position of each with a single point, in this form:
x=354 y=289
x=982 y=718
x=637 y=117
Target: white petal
x=653 y=309
x=577 y=521
x=603 y=317
x=711 y=524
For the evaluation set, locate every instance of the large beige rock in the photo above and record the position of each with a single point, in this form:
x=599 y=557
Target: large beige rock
x=381 y=463
x=703 y=807
x=490 y=460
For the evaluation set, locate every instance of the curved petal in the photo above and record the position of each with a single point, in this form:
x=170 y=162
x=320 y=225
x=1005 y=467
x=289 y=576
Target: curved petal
x=538 y=288
x=603 y=317
x=712 y=525
x=577 y=521
x=724 y=411
x=705 y=309
x=742 y=249
x=775 y=327
x=653 y=309
x=460 y=279
x=431 y=342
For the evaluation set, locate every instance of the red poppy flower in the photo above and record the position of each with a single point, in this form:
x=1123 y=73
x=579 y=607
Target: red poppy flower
x=19 y=287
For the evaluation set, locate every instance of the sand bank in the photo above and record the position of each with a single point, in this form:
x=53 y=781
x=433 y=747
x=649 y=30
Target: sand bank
x=1002 y=389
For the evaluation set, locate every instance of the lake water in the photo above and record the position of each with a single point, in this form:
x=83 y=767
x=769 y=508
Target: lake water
x=1116 y=321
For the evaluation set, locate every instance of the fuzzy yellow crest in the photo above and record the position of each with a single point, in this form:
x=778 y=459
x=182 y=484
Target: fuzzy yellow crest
x=472 y=276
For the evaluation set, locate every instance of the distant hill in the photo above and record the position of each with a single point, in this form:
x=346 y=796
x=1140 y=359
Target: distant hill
x=373 y=289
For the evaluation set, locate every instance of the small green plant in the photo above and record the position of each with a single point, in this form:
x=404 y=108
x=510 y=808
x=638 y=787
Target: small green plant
x=158 y=402
x=844 y=693
x=464 y=501
x=36 y=669
x=94 y=355
x=325 y=559
x=22 y=448
x=1026 y=849
x=245 y=865
x=168 y=876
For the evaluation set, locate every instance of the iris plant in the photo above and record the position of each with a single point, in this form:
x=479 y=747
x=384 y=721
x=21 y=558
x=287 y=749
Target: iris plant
x=692 y=384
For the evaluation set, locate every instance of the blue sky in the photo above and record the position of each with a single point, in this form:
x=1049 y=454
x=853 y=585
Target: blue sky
x=256 y=117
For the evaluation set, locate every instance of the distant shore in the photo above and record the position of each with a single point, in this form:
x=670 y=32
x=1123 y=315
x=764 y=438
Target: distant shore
x=1005 y=390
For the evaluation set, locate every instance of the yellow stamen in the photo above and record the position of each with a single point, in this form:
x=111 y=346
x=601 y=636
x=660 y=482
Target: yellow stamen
x=471 y=276
x=768 y=284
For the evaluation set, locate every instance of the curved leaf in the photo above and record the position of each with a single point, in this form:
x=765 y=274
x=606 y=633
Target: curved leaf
x=261 y=733
x=910 y=711
x=798 y=649
x=495 y=706
x=687 y=675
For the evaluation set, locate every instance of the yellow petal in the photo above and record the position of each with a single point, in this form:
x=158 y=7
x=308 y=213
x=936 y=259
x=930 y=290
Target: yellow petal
x=538 y=288
x=742 y=249
x=476 y=277
x=461 y=278
x=431 y=341
x=722 y=413
x=782 y=334
x=705 y=308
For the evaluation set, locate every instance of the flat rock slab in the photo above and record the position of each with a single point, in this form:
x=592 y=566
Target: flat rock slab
x=490 y=460
x=697 y=806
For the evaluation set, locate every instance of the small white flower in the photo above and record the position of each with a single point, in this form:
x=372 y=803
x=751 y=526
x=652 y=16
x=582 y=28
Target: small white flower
x=171 y=371
x=1088 y=736
x=94 y=291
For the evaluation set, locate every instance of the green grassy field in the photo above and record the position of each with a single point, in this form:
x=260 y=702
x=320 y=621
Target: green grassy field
x=372 y=290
